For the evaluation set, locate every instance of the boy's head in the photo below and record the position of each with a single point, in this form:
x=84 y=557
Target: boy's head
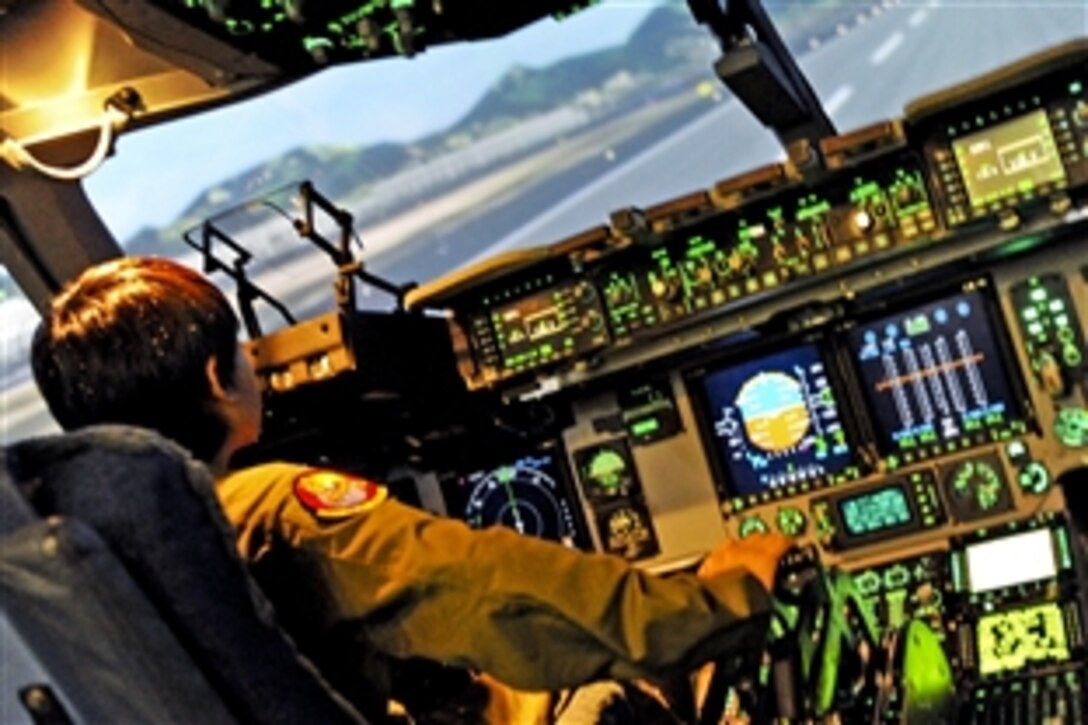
x=151 y=343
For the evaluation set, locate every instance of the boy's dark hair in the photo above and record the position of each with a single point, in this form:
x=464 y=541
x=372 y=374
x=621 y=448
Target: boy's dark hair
x=128 y=342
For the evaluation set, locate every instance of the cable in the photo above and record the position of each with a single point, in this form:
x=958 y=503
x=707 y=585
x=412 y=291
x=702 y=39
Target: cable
x=18 y=157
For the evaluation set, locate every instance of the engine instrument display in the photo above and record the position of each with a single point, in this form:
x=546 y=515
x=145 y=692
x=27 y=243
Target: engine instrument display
x=776 y=421
x=1011 y=560
x=1012 y=640
x=1009 y=159
x=528 y=495
x=933 y=378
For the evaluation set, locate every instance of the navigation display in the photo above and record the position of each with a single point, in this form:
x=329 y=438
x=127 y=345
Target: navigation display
x=1009 y=159
x=776 y=421
x=1014 y=640
x=527 y=494
x=933 y=375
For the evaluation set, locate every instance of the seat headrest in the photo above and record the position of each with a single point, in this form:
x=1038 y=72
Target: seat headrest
x=155 y=507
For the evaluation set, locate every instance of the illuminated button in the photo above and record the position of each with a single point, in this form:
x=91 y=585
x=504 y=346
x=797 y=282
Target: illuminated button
x=896 y=577
x=1034 y=478
x=791 y=521
x=868 y=582
x=1016 y=451
x=1038 y=294
x=1071 y=356
x=1030 y=313
x=1057 y=306
x=1035 y=328
x=1065 y=332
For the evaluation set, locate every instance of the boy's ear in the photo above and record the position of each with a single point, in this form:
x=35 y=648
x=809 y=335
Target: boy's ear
x=220 y=393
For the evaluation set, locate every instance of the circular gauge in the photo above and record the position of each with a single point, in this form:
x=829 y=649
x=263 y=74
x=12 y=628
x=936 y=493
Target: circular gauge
x=750 y=525
x=976 y=488
x=791 y=521
x=521 y=498
x=1034 y=478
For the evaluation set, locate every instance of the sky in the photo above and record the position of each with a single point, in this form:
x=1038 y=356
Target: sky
x=156 y=172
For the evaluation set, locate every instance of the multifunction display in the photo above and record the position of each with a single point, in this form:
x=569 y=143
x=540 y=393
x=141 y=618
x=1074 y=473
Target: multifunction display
x=874 y=511
x=775 y=421
x=1011 y=561
x=1014 y=640
x=1013 y=158
x=933 y=377
x=555 y=323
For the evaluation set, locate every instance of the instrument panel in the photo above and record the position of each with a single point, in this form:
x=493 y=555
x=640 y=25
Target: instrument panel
x=881 y=356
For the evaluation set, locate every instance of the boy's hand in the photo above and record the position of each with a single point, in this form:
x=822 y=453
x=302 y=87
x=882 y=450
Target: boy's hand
x=759 y=554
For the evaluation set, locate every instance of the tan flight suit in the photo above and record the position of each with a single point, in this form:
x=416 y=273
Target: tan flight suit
x=532 y=613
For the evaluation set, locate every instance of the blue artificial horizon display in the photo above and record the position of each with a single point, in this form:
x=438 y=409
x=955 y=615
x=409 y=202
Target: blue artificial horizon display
x=775 y=421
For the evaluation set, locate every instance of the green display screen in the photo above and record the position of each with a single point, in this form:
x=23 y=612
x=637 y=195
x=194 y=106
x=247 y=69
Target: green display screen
x=1008 y=159
x=1013 y=640
x=874 y=511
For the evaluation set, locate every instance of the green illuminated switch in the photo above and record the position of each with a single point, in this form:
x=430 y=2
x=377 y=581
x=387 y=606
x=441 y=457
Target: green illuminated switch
x=1051 y=332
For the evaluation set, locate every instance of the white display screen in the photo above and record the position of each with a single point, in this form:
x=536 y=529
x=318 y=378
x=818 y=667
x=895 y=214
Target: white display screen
x=1011 y=560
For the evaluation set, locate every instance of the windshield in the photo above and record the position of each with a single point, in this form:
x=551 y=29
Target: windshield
x=469 y=150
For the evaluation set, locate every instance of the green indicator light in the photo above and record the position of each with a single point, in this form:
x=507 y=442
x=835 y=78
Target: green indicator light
x=705 y=247
x=1075 y=88
x=917 y=325
x=1035 y=328
x=1038 y=294
x=1029 y=313
x=1057 y=306
x=957 y=574
x=645 y=427
x=865 y=191
x=809 y=212
x=1064 y=552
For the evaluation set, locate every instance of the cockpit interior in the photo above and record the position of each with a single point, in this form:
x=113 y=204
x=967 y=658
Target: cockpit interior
x=713 y=269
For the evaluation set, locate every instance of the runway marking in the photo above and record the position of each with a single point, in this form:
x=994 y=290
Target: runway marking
x=838 y=99
x=886 y=48
x=918 y=17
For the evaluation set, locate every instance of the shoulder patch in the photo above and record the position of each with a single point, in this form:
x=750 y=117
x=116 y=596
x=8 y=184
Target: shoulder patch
x=330 y=495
